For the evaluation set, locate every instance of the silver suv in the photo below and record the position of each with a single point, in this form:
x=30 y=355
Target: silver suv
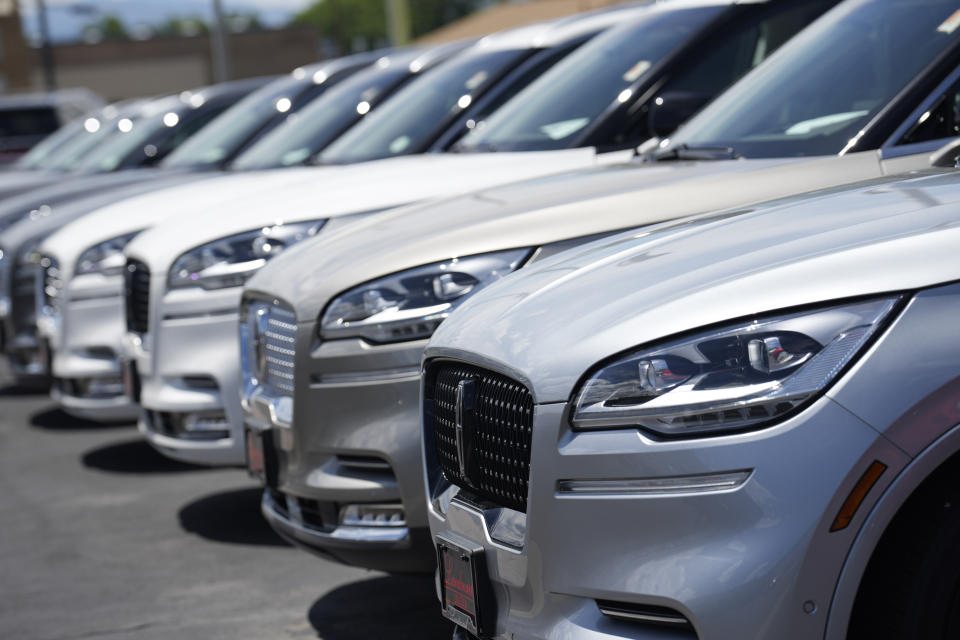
x=336 y=326
x=741 y=426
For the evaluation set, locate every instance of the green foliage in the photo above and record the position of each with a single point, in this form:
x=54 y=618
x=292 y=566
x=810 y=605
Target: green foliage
x=177 y=27
x=346 y=21
x=108 y=27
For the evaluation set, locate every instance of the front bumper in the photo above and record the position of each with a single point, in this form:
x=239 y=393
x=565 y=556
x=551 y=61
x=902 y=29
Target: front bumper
x=354 y=545
x=354 y=441
x=189 y=367
x=699 y=555
x=86 y=343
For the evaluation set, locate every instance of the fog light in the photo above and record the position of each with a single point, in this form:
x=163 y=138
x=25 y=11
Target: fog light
x=372 y=515
x=205 y=422
x=103 y=387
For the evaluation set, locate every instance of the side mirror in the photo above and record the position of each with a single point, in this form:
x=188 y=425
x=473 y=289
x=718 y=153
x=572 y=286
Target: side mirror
x=669 y=110
x=947 y=156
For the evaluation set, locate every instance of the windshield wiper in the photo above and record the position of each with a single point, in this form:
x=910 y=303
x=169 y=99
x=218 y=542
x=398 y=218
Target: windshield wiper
x=688 y=152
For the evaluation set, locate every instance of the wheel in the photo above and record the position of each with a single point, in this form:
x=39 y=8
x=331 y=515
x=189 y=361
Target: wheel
x=911 y=589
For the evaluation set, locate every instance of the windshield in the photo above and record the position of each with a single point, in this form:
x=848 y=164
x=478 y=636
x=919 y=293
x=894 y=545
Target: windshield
x=41 y=152
x=560 y=104
x=825 y=86
x=308 y=131
x=225 y=135
x=407 y=121
x=96 y=131
x=134 y=133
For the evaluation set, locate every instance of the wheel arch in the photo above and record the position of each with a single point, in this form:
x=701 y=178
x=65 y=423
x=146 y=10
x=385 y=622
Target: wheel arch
x=943 y=452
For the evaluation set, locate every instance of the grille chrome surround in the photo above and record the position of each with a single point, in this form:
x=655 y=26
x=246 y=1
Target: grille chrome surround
x=488 y=451
x=271 y=336
x=136 y=278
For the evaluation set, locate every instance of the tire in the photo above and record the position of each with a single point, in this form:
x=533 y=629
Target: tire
x=911 y=589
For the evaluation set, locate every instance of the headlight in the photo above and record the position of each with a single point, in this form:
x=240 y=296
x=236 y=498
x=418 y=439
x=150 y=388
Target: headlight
x=411 y=304
x=228 y=262
x=106 y=258
x=730 y=378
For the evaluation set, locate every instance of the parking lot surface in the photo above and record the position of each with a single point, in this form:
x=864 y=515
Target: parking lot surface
x=101 y=537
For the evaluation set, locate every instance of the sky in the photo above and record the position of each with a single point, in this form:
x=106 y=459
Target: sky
x=67 y=17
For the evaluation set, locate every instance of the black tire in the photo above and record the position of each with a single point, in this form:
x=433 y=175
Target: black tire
x=911 y=589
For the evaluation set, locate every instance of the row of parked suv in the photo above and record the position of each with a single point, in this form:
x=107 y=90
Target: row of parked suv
x=640 y=323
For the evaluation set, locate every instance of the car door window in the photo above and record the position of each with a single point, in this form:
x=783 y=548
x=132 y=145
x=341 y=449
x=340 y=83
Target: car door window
x=750 y=40
x=941 y=120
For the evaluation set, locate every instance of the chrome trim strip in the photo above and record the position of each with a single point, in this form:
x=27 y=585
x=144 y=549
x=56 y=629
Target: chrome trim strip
x=385 y=375
x=635 y=616
x=703 y=483
x=341 y=534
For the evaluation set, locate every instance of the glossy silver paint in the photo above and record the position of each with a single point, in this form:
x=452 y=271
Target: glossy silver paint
x=188 y=321
x=767 y=543
x=38 y=213
x=359 y=399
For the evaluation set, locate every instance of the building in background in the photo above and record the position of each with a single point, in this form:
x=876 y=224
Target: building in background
x=119 y=69
x=118 y=57
x=509 y=14
x=16 y=58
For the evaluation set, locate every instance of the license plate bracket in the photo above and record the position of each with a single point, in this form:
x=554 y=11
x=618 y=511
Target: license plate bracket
x=131 y=380
x=262 y=457
x=466 y=593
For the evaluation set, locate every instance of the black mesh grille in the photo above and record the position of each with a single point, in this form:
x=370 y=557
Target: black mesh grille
x=496 y=433
x=137 y=290
x=24 y=297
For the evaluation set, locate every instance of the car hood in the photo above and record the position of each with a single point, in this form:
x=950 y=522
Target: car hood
x=42 y=200
x=147 y=209
x=536 y=213
x=66 y=205
x=14 y=181
x=554 y=320
x=338 y=191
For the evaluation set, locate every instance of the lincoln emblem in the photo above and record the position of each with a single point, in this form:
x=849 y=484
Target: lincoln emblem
x=465 y=421
x=260 y=344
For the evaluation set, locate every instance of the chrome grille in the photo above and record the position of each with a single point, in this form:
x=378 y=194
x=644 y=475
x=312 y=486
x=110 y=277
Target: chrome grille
x=491 y=453
x=274 y=334
x=137 y=295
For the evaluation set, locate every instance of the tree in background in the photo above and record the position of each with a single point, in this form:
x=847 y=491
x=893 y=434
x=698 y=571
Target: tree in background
x=112 y=28
x=108 y=27
x=361 y=24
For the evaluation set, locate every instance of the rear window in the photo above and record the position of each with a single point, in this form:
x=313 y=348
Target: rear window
x=28 y=122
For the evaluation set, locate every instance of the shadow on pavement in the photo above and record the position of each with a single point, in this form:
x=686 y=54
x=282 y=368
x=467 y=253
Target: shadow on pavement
x=395 y=606
x=13 y=390
x=54 y=419
x=133 y=456
x=230 y=516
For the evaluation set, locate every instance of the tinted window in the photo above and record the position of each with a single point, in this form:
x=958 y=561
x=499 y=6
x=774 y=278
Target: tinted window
x=941 y=120
x=751 y=39
x=311 y=129
x=77 y=149
x=145 y=139
x=251 y=117
x=560 y=104
x=28 y=122
x=410 y=118
x=823 y=87
x=42 y=152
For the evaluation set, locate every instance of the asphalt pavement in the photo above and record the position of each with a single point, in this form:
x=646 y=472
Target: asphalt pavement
x=101 y=537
